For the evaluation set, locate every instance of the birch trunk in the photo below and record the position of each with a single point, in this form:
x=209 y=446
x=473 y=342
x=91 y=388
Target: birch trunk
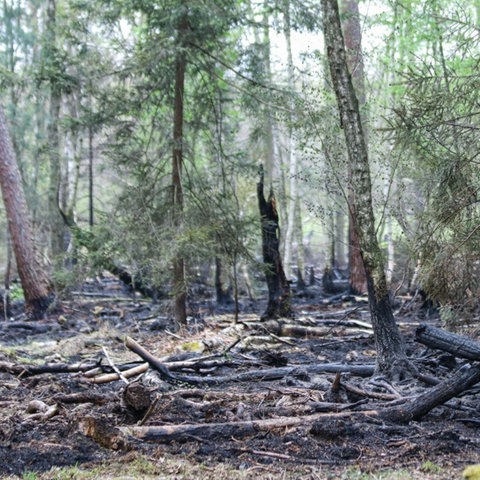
x=391 y=358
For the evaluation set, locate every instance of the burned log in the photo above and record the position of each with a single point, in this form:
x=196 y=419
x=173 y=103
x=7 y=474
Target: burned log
x=168 y=433
x=457 y=345
x=465 y=378
x=279 y=293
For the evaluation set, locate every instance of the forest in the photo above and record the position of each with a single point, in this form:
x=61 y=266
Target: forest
x=239 y=239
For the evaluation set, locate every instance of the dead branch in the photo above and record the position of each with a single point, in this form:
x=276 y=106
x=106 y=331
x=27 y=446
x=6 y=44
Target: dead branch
x=114 y=367
x=112 y=377
x=29 y=370
x=465 y=378
x=160 y=367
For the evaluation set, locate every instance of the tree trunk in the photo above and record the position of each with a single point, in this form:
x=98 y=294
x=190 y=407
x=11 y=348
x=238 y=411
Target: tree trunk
x=34 y=280
x=391 y=358
x=279 y=295
x=57 y=226
x=353 y=46
x=292 y=197
x=178 y=280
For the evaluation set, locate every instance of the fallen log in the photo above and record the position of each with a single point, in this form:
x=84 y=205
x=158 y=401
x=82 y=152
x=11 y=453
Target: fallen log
x=283 y=329
x=465 y=378
x=168 y=433
x=457 y=345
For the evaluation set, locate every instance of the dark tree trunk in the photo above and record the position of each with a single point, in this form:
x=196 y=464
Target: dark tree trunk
x=35 y=282
x=279 y=295
x=391 y=358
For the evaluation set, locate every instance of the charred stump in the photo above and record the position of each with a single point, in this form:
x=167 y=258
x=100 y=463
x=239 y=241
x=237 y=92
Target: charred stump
x=279 y=294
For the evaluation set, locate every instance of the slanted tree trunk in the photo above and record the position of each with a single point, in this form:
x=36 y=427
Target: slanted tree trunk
x=178 y=280
x=35 y=282
x=391 y=357
x=279 y=295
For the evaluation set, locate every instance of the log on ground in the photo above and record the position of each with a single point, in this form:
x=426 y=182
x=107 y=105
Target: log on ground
x=168 y=433
x=457 y=345
x=465 y=378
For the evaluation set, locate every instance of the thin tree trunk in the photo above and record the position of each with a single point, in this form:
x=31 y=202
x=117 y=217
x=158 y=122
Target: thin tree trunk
x=57 y=225
x=178 y=280
x=91 y=218
x=300 y=247
x=292 y=199
x=391 y=358
x=35 y=283
x=269 y=122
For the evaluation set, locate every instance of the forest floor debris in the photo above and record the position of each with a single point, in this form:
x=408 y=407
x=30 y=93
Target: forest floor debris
x=266 y=407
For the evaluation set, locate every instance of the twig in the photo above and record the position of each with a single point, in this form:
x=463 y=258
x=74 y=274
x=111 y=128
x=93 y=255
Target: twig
x=112 y=377
x=114 y=367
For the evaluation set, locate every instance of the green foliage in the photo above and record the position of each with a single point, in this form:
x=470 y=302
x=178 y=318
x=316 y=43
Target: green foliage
x=437 y=128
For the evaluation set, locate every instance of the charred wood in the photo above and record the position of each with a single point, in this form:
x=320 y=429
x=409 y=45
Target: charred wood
x=457 y=345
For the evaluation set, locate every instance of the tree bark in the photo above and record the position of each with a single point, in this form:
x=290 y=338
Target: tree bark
x=279 y=295
x=391 y=358
x=35 y=282
x=353 y=45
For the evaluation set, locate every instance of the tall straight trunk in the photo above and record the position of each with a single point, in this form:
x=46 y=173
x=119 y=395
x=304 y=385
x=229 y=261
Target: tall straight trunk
x=269 y=121
x=57 y=226
x=91 y=218
x=353 y=44
x=178 y=272
x=292 y=199
x=391 y=357
x=34 y=280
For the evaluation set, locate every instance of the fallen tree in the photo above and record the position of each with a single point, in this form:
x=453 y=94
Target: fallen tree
x=458 y=345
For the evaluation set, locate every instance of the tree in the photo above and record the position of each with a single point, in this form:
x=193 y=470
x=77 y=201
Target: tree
x=391 y=357
x=34 y=280
x=436 y=124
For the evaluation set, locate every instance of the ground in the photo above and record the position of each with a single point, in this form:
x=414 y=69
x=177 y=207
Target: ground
x=315 y=431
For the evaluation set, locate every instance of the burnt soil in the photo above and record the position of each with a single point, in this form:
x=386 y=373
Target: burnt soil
x=90 y=327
